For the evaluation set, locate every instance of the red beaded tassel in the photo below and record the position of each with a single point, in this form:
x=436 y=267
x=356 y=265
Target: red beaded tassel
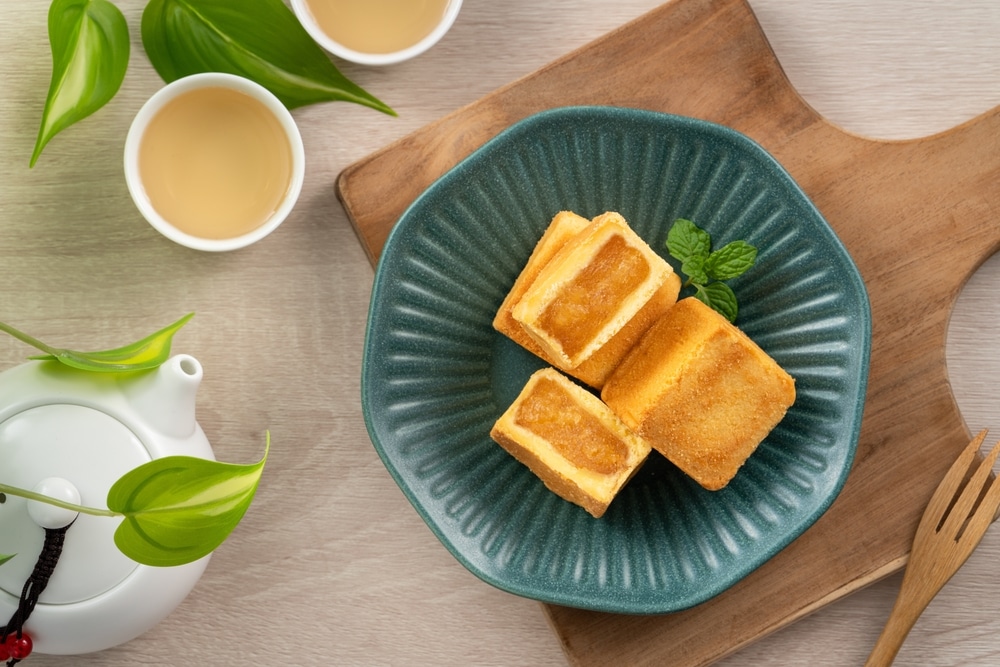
x=15 y=643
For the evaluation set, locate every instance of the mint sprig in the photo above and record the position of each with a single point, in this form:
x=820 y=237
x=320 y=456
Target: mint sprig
x=706 y=269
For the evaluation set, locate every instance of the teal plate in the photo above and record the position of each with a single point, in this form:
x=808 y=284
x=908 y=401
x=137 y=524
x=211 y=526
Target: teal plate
x=436 y=375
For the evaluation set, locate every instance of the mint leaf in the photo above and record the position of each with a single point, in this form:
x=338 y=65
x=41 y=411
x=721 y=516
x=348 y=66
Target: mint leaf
x=731 y=260
x=706 y=269
x=721 y=298
x=694 y=268
x=686 y=241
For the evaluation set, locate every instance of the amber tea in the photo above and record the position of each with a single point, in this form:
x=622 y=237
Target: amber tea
x=377 y=26
x=215 y=163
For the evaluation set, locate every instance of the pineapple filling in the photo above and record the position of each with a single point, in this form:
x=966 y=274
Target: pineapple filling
x=593 y=297
x=580 y=437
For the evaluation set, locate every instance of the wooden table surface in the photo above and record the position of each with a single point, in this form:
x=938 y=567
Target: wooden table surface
x=331 y=565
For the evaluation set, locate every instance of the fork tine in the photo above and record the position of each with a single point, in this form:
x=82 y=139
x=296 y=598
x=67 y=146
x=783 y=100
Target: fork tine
x=960 y=513
x=945 y=492
x=987 y=510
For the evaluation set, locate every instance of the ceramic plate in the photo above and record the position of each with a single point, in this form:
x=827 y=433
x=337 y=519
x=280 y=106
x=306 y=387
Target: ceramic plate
x=436 y=375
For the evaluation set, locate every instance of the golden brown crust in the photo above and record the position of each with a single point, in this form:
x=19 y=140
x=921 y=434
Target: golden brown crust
x=543 y=428
x=564 y=226
x=595 y=370
x=700 y=392
x=589 y=290
x=562 y=486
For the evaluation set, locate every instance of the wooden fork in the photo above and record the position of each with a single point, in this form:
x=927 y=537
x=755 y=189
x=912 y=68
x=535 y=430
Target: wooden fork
x=951 y=527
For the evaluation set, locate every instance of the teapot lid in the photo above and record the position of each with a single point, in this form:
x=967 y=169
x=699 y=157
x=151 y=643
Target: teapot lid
x=90 y=450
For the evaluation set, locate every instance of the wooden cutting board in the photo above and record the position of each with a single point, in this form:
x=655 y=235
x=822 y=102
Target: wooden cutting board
x=917 y=216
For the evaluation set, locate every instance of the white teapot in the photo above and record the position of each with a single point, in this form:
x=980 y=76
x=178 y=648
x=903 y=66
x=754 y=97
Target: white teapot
x=71 y=434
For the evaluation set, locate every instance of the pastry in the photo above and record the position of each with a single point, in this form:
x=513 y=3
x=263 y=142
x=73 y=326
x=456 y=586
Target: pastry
x=589 y=290
x=595 y=369
x=570 y=440
x=700 y=392
x=564 y=226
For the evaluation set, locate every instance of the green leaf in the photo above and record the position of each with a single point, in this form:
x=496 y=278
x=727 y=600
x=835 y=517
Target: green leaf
x=721 y=298
x=731 y=260
x=686 y=241
x=261 y=40
x=694 y=268
x=144 y=354
x=90 y=49
x=6 y=557
x=180 y=508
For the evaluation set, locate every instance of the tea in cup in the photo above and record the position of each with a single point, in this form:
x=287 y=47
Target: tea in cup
x=376 y=32
x=214 y=161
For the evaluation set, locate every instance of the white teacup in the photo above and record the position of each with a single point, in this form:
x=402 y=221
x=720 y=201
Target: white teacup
x=309 y=14
x=214 y=161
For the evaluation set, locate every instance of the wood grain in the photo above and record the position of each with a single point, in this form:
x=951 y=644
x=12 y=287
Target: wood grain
x=918 y=217
x=961 y=510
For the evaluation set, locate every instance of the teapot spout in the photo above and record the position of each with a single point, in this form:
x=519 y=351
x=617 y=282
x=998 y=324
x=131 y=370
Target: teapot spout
x=165 y=397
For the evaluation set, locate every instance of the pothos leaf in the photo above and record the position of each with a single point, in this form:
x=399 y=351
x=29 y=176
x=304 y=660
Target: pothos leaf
x=6 y=557
x=144 y=354
x=261 y=40
x=90 y=50
x=180 y=508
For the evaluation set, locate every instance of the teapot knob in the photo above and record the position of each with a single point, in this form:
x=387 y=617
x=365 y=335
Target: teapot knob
x=50 y=516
